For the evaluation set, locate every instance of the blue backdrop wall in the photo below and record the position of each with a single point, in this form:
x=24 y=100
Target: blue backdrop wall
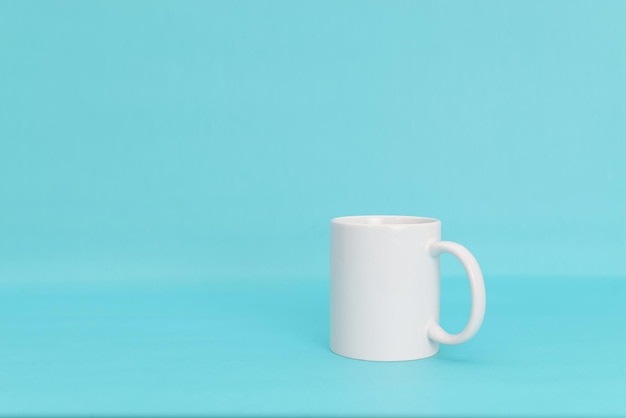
x=211 y=139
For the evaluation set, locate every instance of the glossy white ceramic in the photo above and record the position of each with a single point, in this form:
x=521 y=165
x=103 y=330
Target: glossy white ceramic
x=384 y=301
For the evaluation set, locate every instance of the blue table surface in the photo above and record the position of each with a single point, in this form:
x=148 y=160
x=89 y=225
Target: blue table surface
x=249 y=347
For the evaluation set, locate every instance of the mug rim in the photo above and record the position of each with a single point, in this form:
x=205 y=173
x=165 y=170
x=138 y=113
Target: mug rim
x=379 y=220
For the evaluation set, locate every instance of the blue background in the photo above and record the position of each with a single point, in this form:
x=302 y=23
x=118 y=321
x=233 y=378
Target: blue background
x=204 y=139
x=168 y=171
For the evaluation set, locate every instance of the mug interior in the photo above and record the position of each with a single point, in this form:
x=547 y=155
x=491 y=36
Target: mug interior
x=384 y=220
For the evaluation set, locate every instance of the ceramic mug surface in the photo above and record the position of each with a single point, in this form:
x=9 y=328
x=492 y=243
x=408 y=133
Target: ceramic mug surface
x=384 y=303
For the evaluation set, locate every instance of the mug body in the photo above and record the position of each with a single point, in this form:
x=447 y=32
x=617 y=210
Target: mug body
x=384 y=288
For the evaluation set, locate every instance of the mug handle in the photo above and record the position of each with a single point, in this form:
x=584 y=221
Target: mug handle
x=477 y=287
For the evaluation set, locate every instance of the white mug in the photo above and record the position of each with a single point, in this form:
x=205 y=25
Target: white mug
x=384 y=299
